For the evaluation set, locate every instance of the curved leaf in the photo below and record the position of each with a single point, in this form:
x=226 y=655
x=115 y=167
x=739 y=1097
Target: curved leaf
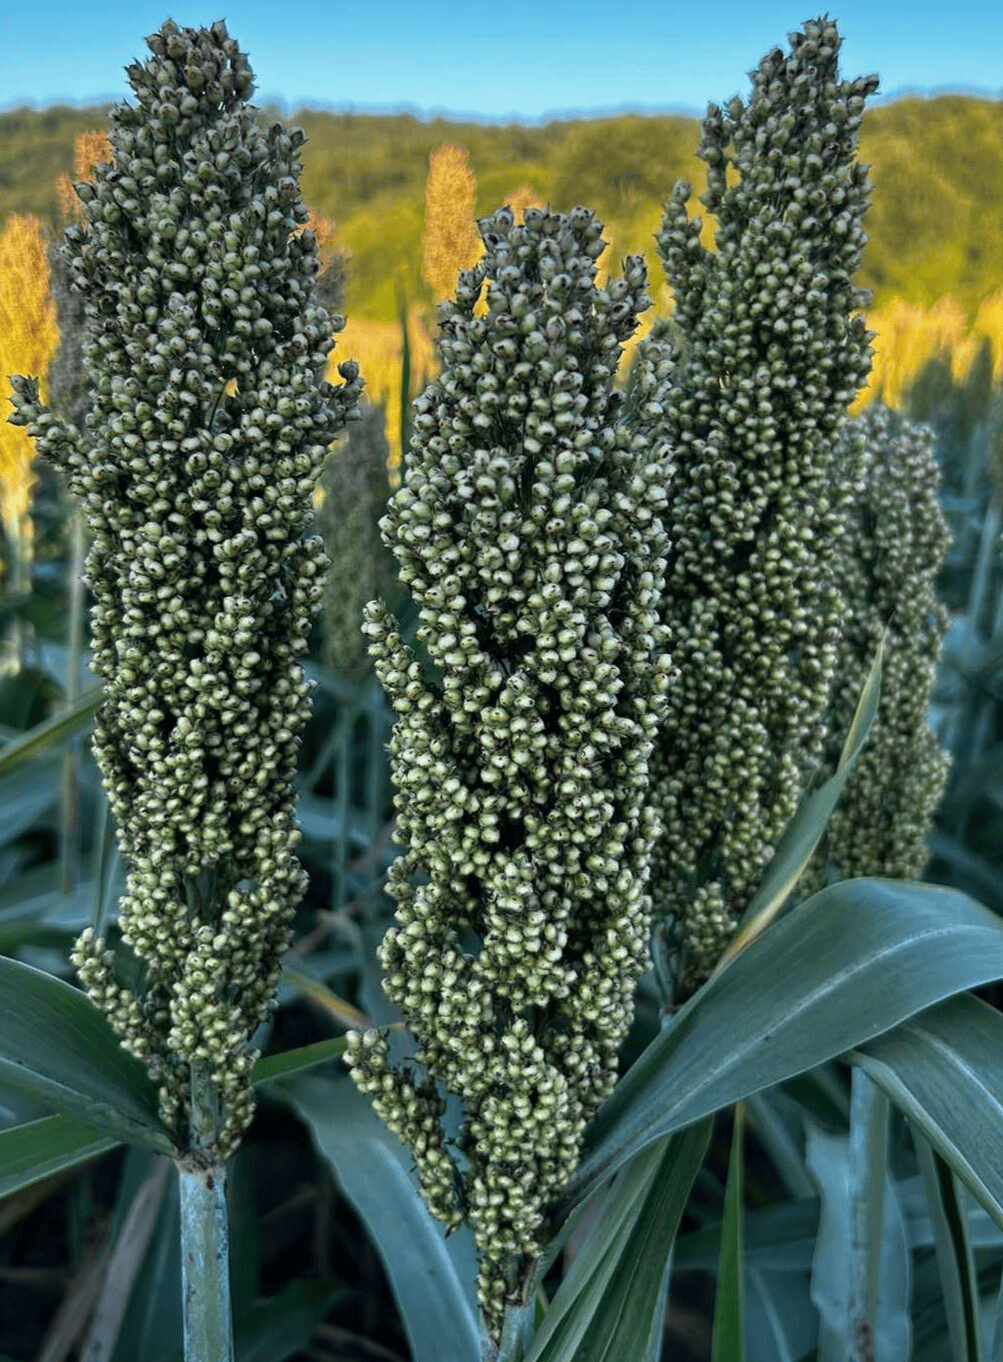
x=56 y=1047
x=944 y=1070
x=37 y=1149
x=955 y=1260
x=370 y=1164
x=53 y=732
x=610 y=1306
x=847 y=964
x=273 y=1067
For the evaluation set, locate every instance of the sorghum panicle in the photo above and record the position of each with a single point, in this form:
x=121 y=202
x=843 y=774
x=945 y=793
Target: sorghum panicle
x=528 y=530
x=209 y=425
x=886 y=573
x=765 y=360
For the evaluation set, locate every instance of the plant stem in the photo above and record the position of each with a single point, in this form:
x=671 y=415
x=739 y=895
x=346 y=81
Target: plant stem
x=205 y=1260
x=511 y=1346
x=205 y=1266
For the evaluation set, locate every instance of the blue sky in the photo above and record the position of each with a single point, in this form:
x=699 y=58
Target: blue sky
x=524 y=60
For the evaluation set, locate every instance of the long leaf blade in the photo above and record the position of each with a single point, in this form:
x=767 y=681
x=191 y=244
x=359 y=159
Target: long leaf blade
x=371 y=1167
x=855 y=960
x=56 y=1047
x=273 y=1067
x=37 y=1149
x=944 y=1070
x=53 y=732
x=953 y=1246
x=610 y=1305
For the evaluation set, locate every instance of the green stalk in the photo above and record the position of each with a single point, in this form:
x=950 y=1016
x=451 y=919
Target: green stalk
x=511 y=1346
x=205 y=1265
x=205 y=1259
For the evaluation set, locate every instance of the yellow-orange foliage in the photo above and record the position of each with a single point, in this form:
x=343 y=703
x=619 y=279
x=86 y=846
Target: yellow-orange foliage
x=28 y=339
x=89 y=149
x=989 y=322
x=908 y=337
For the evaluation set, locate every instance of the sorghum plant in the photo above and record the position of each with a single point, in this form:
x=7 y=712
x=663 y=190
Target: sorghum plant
x=765 y=359
x=527 y=529
x=886 y=574
x=198 y=497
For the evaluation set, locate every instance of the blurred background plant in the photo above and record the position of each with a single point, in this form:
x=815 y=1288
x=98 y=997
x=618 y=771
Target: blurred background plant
x=309 y=1251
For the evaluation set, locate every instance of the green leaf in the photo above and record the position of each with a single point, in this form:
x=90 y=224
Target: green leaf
x=137 y=1212
x=371 y=1165
x=610 y=1306
x=277 y=1328
x=955 y=1260
x=245 y=1230
x=318 y=992
x=57 y=1048
x=847 y=964
x=273 y=1067
x=152 y=1327
x=37 y=1149
x=24 y=798
x=728 y=1340
x=944 y=1070
x=53 y=732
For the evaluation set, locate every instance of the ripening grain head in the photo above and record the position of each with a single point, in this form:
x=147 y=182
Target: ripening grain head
x=450 y=242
